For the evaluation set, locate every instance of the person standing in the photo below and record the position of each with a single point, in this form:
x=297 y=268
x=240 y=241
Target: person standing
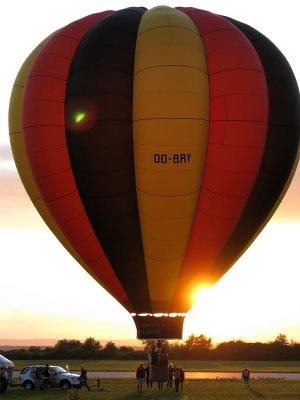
x=46 y=377
x=154 y=356
x=10 y=376
x=83 y=378
x=182 y=377
x=171 y=374
x=3 y=379
x=140 y=378
x=177 y=378
x=38 y=379
x=147 y=375
x=246 y=376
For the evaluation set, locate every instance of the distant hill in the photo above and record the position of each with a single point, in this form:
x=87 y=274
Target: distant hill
x=9 y=344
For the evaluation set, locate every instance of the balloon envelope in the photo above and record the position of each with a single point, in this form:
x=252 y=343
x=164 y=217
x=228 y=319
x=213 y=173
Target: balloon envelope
x=156 y=144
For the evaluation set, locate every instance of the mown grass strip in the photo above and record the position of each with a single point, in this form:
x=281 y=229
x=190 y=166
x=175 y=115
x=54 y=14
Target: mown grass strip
x=125 y=389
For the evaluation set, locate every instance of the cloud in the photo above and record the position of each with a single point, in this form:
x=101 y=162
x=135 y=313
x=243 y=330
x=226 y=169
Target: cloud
x=17 y=210
x=289 y=209
x=7 y=165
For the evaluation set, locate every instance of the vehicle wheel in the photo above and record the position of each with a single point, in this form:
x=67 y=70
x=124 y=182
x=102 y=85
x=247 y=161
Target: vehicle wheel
x=65 y=385
x=28 y=385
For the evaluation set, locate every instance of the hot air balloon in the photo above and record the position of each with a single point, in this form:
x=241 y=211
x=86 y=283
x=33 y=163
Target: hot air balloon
x=156 y=145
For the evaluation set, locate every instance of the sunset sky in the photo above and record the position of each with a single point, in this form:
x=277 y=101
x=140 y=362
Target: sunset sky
x=46 y=294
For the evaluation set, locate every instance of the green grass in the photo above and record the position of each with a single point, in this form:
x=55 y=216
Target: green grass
x=125 y=389
x=201 y=366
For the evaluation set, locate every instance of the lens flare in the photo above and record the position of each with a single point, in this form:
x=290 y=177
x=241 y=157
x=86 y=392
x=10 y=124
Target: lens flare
x=79 y=117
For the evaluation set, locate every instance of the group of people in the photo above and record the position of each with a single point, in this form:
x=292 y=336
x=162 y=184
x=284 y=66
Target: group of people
x=157 y=356
x=175 y=374
x=42 y=377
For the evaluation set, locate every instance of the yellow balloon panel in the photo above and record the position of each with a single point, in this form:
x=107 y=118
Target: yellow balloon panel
x=165 y=16
x=22 y=164
x=170 y=114
x=162 y=274
x=168 y=183
x=15 y=109
x=156 y=132
x=168 y=207
x=175 y=103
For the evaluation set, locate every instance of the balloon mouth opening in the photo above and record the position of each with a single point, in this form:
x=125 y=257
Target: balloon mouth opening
x=172 y=315
x=159 y=326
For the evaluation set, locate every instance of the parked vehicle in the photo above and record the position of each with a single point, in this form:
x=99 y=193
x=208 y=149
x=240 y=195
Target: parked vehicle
x=59 y=377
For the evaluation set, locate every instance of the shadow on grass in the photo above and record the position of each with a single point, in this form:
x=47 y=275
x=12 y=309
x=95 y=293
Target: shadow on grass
x=156 y=395
x=256 y=393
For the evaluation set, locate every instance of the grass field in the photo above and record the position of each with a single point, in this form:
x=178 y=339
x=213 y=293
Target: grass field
x=125 y=389
x=188 y=365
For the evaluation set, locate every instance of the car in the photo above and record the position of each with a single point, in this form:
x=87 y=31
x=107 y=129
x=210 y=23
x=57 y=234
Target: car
x=59 y=377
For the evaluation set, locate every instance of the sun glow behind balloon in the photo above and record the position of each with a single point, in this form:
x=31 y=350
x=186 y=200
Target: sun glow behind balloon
x=242 y=304
x=203 y=294
x=200 y=292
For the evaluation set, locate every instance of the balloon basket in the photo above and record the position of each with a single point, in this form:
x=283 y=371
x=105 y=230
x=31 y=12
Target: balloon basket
x=151 y=327
x=159 y=373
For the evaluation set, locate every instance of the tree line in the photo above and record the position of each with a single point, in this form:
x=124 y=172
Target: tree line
x=194 y=348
